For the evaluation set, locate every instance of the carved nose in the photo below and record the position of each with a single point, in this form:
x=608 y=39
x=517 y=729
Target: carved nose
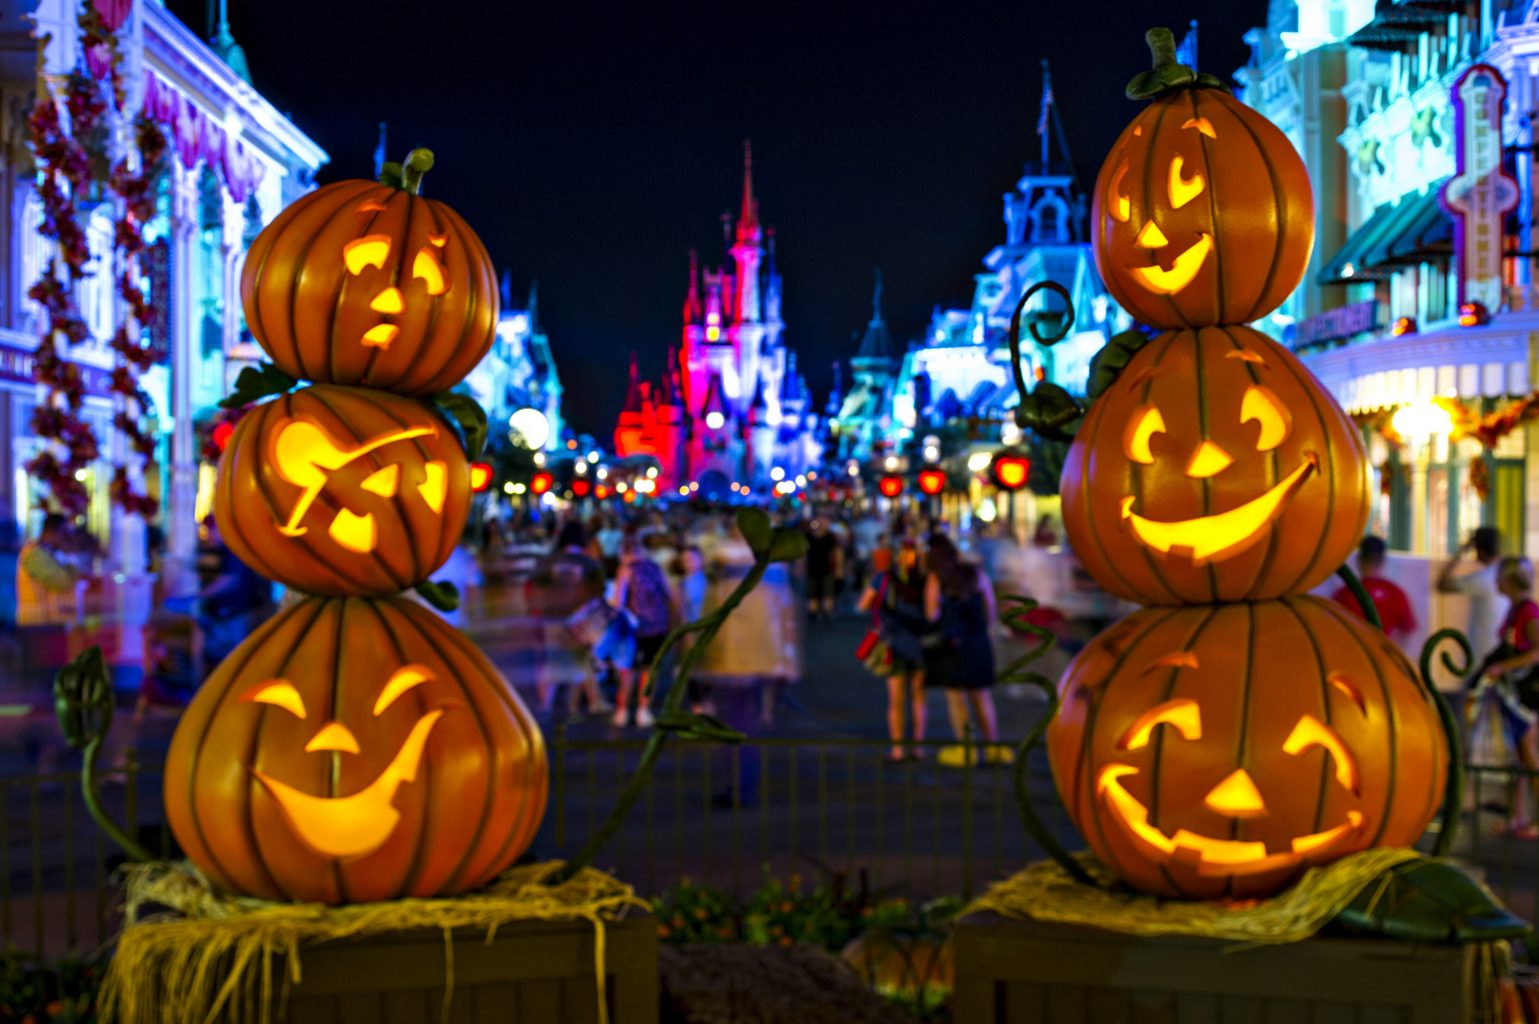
x=1151 y=237
x=333 y=736
x=1236 y=796
x=388 y=301
x=1208 y=460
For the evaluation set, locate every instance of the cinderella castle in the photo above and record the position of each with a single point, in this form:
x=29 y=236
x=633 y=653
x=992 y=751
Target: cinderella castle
x=731 y=407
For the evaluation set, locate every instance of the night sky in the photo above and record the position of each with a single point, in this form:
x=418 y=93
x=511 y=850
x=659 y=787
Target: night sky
x=591 y=145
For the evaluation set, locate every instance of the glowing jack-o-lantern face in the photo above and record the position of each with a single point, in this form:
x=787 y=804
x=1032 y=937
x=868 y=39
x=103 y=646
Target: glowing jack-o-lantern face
x=342 y=491
x=1216 y=468
x=1219 y=751
x=354 y=750
x=359 y=283
x=1203 y=213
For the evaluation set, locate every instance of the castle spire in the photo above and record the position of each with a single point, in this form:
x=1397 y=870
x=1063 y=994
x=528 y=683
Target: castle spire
x=692 y=312
x=633 y=401
x=748 y=218
x=534 y=305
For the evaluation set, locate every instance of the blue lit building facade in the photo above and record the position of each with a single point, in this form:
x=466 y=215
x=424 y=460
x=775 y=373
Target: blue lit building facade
x=234 y=161
x=1367 y=93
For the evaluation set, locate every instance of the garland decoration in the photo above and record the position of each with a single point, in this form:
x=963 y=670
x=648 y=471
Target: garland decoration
x=68 y=152
x=1487 y=430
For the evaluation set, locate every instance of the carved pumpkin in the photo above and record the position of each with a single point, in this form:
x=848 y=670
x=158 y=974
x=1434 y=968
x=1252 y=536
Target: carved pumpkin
x=1203 y=213
x=1216 y=468
x=355 y=750
x=339 y=491
x=362 y=283
x=915 y=969
x=1218 y=751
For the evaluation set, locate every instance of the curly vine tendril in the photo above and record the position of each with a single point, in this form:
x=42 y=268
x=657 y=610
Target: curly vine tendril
x=1455 y=786
x=1015 y=614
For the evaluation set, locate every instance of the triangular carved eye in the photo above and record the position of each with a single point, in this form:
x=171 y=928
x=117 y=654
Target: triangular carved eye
x=384 y=482
x=435 y=486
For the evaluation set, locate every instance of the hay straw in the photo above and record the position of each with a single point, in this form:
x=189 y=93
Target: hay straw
x=210 y=955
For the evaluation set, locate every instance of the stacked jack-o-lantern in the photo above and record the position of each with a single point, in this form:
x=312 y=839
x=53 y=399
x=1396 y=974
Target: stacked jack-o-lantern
x=356 y=747
x=1237 y=731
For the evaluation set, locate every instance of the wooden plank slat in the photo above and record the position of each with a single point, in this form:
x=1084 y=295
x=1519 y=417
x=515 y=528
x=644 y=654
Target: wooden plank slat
x=538 y=999
x=1197 y=1008
x=1068 y=1003
x=1241 y=1010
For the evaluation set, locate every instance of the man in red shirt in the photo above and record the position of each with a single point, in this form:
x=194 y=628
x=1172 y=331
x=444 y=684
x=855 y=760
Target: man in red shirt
x=1393 y=606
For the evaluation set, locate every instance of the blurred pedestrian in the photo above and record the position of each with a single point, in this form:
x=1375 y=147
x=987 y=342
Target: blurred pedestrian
x=1394 y=608
x=233 y=603
x=46 y=602
x=567 y=593
x=1477 y=583
x=1046 y=534
x=896 y=597
x=959 y=601
x=824 y=564
x=1513 y=668
x=642 y=593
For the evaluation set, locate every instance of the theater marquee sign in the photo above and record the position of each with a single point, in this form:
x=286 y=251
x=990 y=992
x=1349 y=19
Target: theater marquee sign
x=1480 y=193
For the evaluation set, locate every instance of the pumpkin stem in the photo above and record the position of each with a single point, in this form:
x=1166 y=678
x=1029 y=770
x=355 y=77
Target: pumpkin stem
x=1162 y=46
x=1167 y=75
x=418 y=162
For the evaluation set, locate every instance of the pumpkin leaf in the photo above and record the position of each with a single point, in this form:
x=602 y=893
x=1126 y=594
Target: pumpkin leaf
x=789 y=545
x=1049 y=411
x=443 y=595
x=1107 y=364
x=754 y=525
x=255 y=383
x=390 y=174
x=1167 y=75
x=691 y=726
x=467 y=417
x=1426 y=900
x=82 y=698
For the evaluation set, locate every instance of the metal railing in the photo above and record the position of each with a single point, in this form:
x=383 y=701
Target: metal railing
x=716 y=815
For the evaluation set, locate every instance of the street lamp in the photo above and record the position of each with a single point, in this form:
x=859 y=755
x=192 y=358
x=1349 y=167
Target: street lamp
x=1422 y=419
x=530 y=428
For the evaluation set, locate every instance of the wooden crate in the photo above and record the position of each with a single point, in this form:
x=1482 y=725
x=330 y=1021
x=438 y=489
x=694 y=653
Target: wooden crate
x=532 y=973
x=1028 y=972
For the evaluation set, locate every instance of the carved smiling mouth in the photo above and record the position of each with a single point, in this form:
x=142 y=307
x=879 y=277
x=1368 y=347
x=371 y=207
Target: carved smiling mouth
x=1212 y=857
x=349 y=827
x=1182 y=269
x=1222 y=534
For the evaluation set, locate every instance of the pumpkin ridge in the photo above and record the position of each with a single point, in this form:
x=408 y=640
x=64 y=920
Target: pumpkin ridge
x=1200 y=375
x=1088 y=454
x=334 y=757
x=1084 y=795
x=535 y=765
x=424 y=767
x=1213 y=217
x=1158 y=739
x=1274 y=460
x=1158 y=110
x=1279 y=203
x=1236 y=826
x=383 y=409
x=406 y=378
x=338 y=407
x=247 y=791
x=264 y=631
x=334 y=303
x=1325 y=708
x=414 y=204
x=263 y=247
x=1156 y=570
x=302 y=257
x=1313 y=390
x=1392 y=722
x=473 y=709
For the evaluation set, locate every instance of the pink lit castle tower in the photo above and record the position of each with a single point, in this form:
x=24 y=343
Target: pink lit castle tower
x=731 y=407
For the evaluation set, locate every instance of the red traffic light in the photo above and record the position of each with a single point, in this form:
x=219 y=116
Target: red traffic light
x=540 y=482
x=932 y=481
x=1011 y=471
x=890 y=485
x=581 y=487
x=480 y=476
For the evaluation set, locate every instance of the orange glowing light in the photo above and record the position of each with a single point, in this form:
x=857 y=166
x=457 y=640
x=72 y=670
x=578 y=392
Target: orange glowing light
x=541 y=482
x=480 y=476
x=932 y=481
x=1011 y=471
x=890 y=485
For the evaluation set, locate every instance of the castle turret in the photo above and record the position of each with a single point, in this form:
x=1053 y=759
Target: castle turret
x=762 y=430
x=671 y=427
x=632 y=425
x=747 y=249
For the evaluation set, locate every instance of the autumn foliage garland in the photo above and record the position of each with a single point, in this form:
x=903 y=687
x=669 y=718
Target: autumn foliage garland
x=65 y=174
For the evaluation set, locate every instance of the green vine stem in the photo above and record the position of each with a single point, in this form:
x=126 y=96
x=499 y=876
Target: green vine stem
x=1014 y=615
x=418 y=163
x=768 y=548
x=1364 y=600
x=1454 y=789
x=82 y=700
x=1048 y=410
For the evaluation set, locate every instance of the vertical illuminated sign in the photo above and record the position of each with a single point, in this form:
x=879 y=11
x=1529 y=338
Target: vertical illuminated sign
x=1480 y=193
